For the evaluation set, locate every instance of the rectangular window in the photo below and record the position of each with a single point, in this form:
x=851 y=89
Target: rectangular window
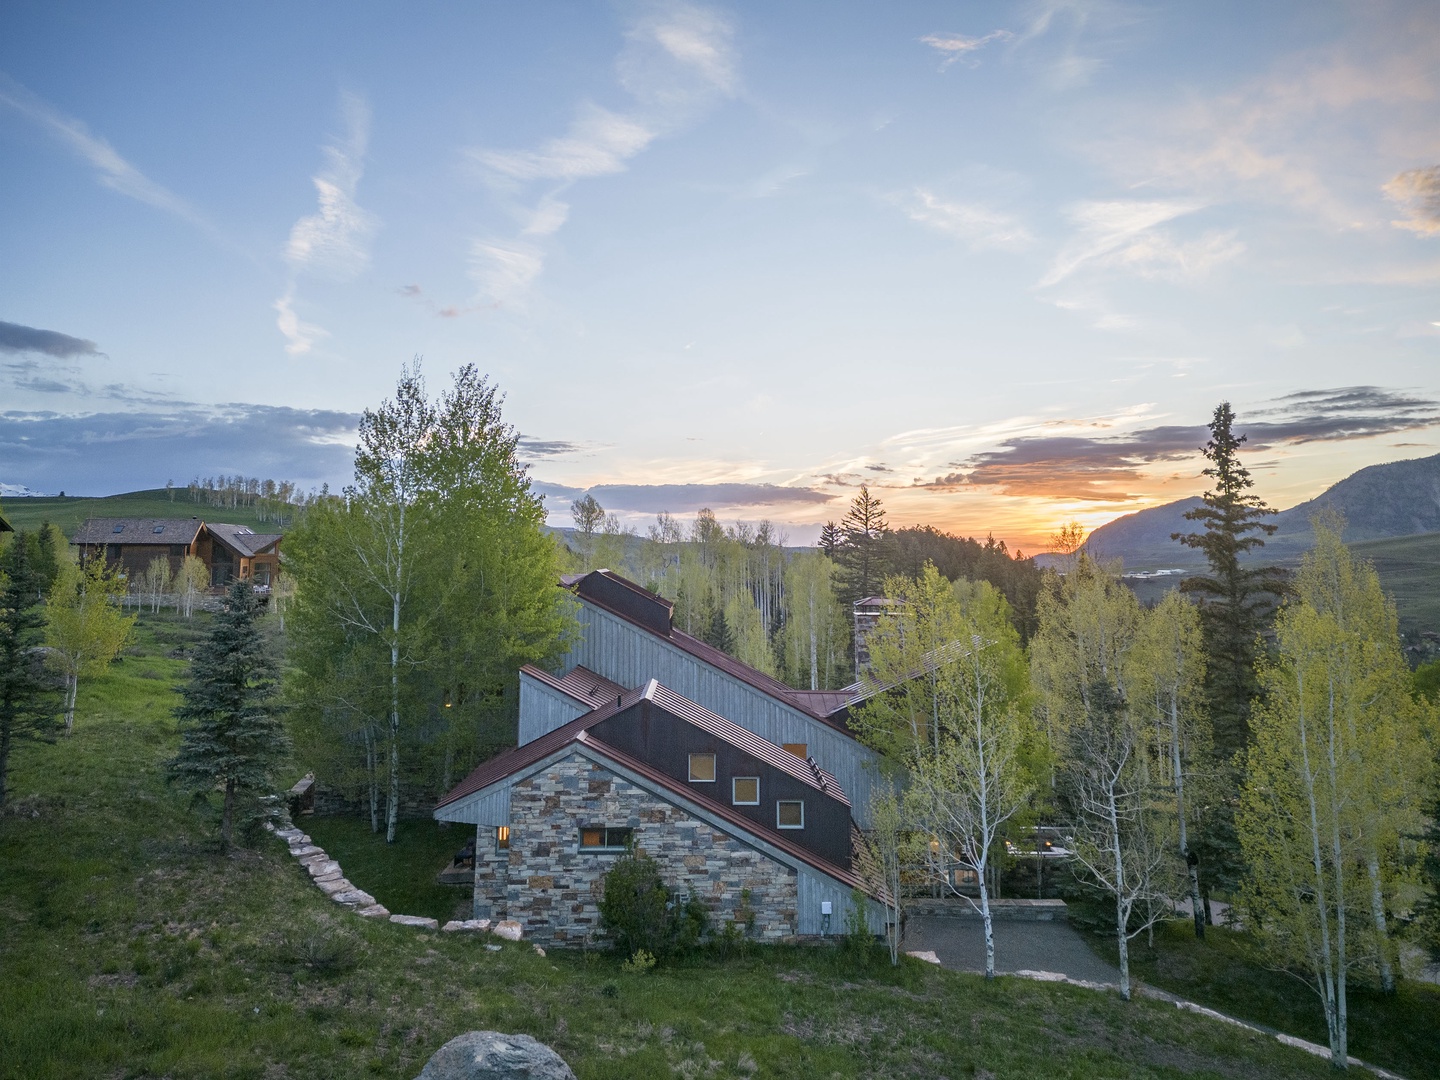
x=702 y=768
x=177 y=549
x=603 y=838
x=745 y=791
x=502 y=838
x=799 y=749
x=790 y=814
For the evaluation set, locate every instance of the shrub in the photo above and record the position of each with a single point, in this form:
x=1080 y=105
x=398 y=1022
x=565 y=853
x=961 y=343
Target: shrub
x=637 y=912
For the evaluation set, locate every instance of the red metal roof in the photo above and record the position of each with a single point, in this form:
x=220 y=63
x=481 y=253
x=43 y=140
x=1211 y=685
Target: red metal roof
x=580 y=683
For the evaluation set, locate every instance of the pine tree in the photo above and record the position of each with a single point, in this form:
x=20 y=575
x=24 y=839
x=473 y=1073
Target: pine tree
x=231 y=732
x=28 y=707
x=867 y=552
x=1236 y=603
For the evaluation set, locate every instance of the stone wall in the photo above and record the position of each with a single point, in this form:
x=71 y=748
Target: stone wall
x=553 y=888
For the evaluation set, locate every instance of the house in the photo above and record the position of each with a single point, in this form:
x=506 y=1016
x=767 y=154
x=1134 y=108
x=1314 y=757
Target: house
x=5 y=526
x=228 y=551
x=748 y=794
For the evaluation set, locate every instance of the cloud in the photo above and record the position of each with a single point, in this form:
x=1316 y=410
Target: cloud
x=545 y=448
x=598 y=143
x=685 y=498
x=1104 y=468
x=503 y=271
x=956 y=46
x=1120 y=233
x=115 y=172
x=15 y=338
x=300 y=335
x=978 y=226
x=103 y=453
x=1418 y=192
x=333 y=242
x=678 y=59
x=335 y=239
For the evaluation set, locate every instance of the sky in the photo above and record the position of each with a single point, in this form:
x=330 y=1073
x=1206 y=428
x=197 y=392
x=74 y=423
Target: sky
x=1000 y=262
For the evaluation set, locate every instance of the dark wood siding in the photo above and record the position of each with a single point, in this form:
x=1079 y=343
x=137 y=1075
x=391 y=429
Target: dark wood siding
x=665 y=743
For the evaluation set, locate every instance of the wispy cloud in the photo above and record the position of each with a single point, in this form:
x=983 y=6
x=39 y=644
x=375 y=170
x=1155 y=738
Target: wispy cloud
x=1121 y=233
x=977 y=225
x=678 y=59
x=114 y=171
x=15 y=338
x=1418 y=192
x=955 y=47
x=333 y=242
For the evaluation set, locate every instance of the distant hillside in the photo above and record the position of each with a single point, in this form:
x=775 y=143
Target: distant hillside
x=1401 y=498
x=70 y=512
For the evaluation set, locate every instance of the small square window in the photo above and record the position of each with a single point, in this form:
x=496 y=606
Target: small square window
x=502 y=838
x=702 y=768
x=799 y=749
x=790 y=814
x=602 y=838
x=745 y=791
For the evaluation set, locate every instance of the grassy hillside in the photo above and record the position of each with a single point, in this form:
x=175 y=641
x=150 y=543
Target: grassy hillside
x=1409 y=569
x=69 y=513
x=130 y=948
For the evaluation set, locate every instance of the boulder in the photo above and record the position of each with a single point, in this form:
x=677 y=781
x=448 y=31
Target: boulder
x=416 y=920
x=491 y=1055
x=480 y=925
x=508 y=929
x=374 y=911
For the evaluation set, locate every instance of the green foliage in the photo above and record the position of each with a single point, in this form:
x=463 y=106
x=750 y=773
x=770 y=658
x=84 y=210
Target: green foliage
x=320 y=948
x=130 y=949
x=961 y=558
x=419 y=595
x=1426 y=681
x=232 y=736
x=1334 y=781
x=866 y=554
x=1236 y=602
x=85 y=626
x=640 y=962
x=28 y=704
x=637 y=911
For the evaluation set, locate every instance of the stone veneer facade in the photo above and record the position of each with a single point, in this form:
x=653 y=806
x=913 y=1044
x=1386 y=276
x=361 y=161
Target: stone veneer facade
x=552 y=887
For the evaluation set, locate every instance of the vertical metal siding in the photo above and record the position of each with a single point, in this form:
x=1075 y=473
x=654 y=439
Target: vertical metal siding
x=543 y=709
x=812 y=888
x=490 y=807
x=611 y=647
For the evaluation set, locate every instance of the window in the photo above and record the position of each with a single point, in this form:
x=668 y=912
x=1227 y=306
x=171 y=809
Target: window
x=177 y=549
x=799 y=749
x=603 y=838
x=502 y=838
x=158 y=529
x=702 y=768
x=790 y=814
x=745 y=791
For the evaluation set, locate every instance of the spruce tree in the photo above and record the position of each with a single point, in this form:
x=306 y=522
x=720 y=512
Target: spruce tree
x=1237 y=605
x=28 y=704
x=866 y=553
x=231 y=731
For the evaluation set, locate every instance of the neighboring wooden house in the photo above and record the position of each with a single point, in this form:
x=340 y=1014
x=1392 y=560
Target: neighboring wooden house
x=228 y=551
x=747 y=793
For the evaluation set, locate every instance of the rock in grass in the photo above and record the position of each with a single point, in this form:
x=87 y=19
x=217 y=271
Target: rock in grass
x=331 y=887
x=374 y=911
x=416 y=920
x=354 y=897
x=491 y=1055
x=509 y=929
x=323 y=868
x=478 y=925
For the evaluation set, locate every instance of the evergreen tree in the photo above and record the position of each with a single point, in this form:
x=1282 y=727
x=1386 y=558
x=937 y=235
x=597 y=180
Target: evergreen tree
x=231 y=733
x=830 y=539
x=867 y=551
x=1236 y=602
x=28 y=707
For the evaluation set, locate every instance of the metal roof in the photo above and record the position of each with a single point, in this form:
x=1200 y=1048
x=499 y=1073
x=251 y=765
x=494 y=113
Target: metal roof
x=138 y=531
x=244 y=540
x=580 y=683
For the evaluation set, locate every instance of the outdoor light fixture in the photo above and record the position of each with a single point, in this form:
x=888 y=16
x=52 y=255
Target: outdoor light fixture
x=824 y=917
